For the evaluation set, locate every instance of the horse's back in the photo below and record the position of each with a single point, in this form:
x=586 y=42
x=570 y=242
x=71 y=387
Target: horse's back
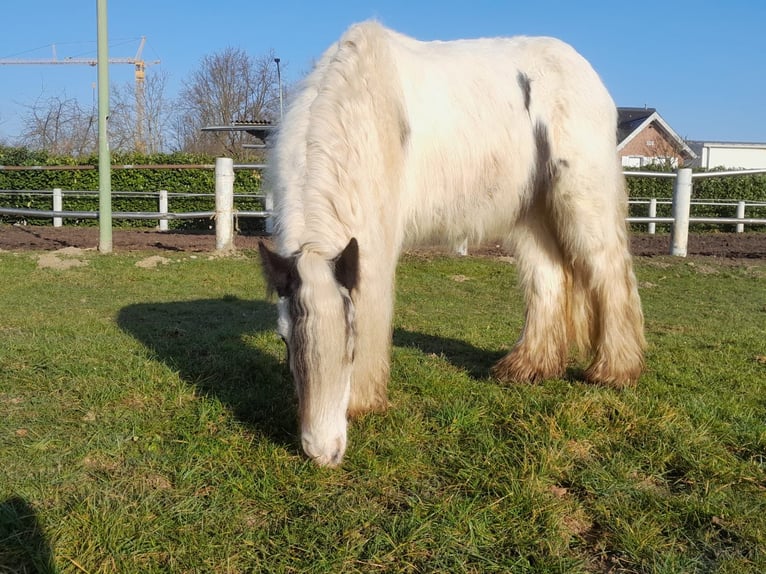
x=476 y=109
x=445 y=136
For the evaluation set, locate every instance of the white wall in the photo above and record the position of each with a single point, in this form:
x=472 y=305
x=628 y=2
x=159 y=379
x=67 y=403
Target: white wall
x=748 y=156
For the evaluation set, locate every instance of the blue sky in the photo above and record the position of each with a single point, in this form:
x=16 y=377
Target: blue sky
x=701 y=63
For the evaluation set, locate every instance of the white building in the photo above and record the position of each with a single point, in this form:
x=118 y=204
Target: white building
x=731 y=155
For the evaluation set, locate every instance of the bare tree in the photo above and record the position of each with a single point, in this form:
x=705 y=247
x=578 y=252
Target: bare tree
x=61 y=126
x=141 y=117
x=230 y=86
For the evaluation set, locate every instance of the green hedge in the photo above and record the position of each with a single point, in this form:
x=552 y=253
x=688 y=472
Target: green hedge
x=743 y=187
x=179 y=180
x=727 y=188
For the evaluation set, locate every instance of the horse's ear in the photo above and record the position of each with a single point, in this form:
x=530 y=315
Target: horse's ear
x=347 y=265
x=280 y=272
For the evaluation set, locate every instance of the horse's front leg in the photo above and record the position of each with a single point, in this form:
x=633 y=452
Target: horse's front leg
x=374 y=304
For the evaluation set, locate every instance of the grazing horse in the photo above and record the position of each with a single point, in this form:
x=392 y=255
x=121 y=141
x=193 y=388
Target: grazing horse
x=391 y=140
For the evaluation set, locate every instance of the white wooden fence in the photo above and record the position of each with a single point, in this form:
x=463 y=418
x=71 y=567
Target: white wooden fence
x=225 y=213
x=681 y=203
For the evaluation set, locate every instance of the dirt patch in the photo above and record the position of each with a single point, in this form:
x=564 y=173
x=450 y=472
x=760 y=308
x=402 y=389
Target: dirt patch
x=61 y=259
x=723 y=245
x=152 y=262
x=43 y=238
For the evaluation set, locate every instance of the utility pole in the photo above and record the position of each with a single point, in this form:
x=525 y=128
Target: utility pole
x=104 y=157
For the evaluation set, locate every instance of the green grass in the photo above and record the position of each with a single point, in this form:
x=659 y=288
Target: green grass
x=148 y=425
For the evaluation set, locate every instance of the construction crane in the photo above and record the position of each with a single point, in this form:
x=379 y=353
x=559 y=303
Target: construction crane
x=140 y=76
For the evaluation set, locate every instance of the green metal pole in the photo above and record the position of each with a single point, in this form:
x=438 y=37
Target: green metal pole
x=104 y=158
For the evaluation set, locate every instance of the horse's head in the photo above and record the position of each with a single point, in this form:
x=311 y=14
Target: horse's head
x=316 y=322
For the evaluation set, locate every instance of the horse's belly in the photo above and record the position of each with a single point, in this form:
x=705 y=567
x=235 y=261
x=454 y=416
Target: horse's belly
x=475 y=211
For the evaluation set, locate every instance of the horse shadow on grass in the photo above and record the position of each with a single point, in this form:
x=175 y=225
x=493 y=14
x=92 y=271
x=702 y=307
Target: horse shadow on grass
x=23 y=544
x=476 y=362
x=209 y=342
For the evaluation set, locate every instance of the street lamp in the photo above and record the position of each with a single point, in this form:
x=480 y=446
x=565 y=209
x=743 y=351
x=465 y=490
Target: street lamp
x=279 y=80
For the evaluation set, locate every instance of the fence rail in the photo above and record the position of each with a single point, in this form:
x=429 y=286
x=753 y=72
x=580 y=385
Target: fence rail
x=681 y=202
x=681 y=205
x=652 y=203
x=163 y=215
x=738 y=219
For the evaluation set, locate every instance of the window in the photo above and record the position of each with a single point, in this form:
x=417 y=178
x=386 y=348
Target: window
x=631 y=161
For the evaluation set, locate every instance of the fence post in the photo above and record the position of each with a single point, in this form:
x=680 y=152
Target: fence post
x=58 y=205
x=652 y=213
x=682 y=196
x=163 y=209
x=740 y=215
x=224 y=204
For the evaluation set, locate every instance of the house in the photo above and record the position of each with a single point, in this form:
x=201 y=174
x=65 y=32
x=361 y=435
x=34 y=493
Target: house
x=732 y=155
x=644 y=138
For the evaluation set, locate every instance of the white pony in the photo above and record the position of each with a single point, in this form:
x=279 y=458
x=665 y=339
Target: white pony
x=392 y=140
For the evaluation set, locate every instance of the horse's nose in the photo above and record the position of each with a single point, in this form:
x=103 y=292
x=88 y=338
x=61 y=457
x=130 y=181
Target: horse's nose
x=336 y=458
x=330 y=456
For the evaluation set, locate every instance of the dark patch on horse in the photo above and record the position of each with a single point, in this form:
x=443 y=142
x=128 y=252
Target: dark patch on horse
x=526 y=86
x=564 y=163
x=348 y=309
x=299 y=335
x=545 y=170
x=543 y=177
x=404 y=131
x=347 y=275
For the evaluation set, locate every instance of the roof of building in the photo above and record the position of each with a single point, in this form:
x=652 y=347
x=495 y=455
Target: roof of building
x=631 y=121
x=628 y=119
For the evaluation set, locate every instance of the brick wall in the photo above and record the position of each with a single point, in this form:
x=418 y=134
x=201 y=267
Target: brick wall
x=641 y=145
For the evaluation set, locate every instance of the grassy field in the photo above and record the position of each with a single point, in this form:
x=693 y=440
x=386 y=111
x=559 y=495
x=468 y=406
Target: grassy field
x=148 y=425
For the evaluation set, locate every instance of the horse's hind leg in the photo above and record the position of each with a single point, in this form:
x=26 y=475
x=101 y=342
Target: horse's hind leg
x=541 y=351
x=618 y=338
x=594 y=237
